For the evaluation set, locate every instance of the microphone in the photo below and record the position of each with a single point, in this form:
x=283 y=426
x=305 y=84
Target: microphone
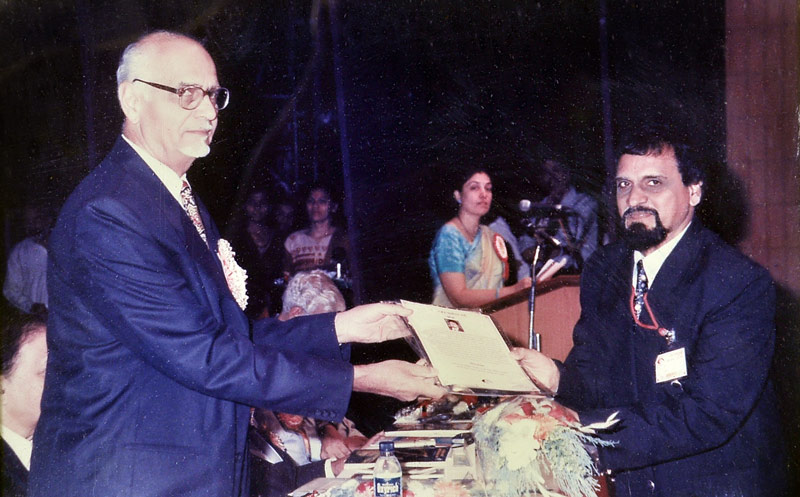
x=338 y=256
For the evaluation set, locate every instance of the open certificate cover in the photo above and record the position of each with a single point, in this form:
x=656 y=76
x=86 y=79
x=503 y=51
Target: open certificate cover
x=467 y=350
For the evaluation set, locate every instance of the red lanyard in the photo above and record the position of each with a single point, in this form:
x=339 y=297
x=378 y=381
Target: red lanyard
x=668 y=335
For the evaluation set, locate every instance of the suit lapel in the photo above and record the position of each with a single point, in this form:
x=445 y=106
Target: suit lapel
x=172 y=214
x=667 y=293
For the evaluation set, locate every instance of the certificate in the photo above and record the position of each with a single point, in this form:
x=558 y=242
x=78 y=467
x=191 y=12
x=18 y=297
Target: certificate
x=467 y=350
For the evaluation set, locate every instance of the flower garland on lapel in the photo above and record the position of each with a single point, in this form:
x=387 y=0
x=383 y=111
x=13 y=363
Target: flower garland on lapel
x=235 y=275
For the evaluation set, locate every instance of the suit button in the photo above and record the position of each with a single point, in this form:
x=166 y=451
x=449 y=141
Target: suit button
x=651 y=484
x=677 y=384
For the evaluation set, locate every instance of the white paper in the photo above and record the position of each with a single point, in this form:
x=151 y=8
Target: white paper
x=466 y=349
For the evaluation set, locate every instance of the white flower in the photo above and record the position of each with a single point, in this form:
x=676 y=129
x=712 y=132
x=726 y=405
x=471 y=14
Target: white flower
x=234 y=274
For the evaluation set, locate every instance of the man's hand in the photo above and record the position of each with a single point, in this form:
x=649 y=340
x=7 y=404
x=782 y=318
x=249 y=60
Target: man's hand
x=541 y=369
x=371 y=323
x=334 y=447
x=399 y=379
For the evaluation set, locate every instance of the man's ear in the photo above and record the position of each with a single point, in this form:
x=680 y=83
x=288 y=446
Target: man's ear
x=695 y=193
x=295 y=311
x=129 y=101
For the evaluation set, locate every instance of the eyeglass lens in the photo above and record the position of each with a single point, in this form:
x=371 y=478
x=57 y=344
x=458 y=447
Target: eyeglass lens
x=191 y=96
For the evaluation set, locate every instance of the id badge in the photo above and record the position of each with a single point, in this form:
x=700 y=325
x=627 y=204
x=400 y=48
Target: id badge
x=671 y=365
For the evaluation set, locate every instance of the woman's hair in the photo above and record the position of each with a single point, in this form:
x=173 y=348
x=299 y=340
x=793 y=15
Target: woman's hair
x=461 y=174
x=318 y=186
x=17 y=329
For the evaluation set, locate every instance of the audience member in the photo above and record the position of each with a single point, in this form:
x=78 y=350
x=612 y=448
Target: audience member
x=677 y=335
x=291 y=449
x=469 y=262
x=259 y=251
x=565 y=215
x=152 y=364
x=322 y=244
x=24 y=359
x=283 y=213
x=25 y=286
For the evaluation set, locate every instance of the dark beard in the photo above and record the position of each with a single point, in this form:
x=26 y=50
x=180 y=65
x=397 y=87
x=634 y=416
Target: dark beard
x=638 y=236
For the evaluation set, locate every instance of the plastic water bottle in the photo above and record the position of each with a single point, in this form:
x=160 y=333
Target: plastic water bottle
x=387 y=475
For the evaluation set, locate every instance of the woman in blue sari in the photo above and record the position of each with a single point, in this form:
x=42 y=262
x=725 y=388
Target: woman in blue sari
x=469 y=261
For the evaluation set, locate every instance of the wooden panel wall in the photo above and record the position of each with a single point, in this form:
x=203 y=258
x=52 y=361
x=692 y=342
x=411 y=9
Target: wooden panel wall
x=762 y=96
x=763 y=115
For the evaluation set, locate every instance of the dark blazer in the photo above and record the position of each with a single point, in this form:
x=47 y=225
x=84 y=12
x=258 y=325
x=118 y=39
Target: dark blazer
x=151 y=366
x=14 y=475
x=277 y=479
x=714 y=432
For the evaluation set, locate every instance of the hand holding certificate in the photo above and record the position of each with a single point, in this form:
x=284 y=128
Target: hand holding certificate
x=467 y=350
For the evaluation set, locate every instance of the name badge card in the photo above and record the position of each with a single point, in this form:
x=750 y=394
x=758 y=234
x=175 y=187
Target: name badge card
x=671 y=365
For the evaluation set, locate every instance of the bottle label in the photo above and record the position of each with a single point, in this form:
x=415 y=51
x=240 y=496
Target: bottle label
x=389 y=487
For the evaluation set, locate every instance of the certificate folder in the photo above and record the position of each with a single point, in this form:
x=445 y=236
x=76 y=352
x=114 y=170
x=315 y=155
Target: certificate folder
x=466 y=348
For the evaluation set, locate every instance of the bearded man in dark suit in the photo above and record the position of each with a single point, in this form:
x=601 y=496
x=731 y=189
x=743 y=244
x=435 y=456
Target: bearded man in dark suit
x=681 y=348
x=152 y=368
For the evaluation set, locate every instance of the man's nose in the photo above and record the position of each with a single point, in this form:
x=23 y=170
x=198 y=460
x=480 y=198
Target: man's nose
x=637 y=196
x=207 y=108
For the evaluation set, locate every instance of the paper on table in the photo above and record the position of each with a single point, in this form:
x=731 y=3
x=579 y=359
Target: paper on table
x=466 y=349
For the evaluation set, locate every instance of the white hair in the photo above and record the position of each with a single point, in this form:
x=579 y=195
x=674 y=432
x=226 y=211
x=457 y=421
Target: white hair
x=134 y=54
x=314 y=292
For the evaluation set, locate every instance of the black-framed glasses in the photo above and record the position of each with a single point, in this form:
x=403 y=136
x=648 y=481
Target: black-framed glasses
x=190 y=96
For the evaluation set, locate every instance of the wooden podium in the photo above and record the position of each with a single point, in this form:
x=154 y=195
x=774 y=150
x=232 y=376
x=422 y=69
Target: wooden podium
x=557 y=309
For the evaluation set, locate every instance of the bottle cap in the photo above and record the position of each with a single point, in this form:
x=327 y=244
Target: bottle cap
x=386 y=446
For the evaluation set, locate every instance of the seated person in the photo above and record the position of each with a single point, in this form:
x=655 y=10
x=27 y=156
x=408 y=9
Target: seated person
x=259 y=249
x=24 y=360
x=25 y=286
x=572 y=221
x=290 y=450
x=322 y=244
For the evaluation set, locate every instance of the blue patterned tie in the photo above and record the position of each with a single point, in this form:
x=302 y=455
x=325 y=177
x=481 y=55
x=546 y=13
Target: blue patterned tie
x=641 y=289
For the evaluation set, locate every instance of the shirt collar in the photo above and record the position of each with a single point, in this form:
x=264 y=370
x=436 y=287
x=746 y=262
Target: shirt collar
x=652 y=262
x=168 y=177
x=20 y=445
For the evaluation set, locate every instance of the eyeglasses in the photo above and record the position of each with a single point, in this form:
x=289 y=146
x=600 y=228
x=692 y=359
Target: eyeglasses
x=190 y=96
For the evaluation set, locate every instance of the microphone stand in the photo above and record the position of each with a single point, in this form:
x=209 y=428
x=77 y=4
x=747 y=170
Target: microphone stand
x=534 y=339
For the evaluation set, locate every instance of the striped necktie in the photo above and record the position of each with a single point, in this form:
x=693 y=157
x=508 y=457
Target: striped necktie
x=190 y=206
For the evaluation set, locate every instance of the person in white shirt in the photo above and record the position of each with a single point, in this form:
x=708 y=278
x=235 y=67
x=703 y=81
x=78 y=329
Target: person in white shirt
x=25 y=285
x=21 y=383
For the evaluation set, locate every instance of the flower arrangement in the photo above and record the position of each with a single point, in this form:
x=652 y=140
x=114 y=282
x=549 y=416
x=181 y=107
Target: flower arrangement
x=235 y=275
x=532 y=444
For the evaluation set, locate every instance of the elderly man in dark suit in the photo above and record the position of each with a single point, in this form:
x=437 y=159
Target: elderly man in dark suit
x=677 y=334
x=153 y=365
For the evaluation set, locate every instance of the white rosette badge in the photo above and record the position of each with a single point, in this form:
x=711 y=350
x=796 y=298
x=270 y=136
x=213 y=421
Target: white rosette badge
x=235 y=275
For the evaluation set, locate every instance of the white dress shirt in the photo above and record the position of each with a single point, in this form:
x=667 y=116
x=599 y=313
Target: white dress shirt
x=20 y=445
x=652 y=262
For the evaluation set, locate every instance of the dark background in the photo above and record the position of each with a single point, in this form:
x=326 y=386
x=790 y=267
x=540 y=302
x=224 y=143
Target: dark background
x=380 y=99
x=421 y=86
